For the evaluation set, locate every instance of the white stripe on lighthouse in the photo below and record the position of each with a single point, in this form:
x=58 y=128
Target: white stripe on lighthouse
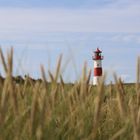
x=97 y=64
x=96 y=80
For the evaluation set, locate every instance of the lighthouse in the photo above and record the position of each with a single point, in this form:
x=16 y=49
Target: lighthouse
x=97 y=58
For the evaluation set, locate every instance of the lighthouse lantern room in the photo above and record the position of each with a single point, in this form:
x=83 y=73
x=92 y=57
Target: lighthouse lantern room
x=97 y=58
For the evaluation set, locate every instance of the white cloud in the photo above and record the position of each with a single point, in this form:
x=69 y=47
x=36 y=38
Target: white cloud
x=134 y=38
x=126 y=78
x=53 y=20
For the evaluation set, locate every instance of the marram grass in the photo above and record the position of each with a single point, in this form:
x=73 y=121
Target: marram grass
x=34 y=110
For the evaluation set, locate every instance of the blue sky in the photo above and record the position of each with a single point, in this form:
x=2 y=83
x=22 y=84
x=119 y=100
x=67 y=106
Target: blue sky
x=40 y=30
x=58 y=3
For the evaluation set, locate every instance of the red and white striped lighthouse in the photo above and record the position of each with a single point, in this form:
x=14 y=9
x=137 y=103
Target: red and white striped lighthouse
x=97 y=57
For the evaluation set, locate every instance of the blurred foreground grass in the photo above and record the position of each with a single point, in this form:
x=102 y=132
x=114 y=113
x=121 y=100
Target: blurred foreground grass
x=41 y=110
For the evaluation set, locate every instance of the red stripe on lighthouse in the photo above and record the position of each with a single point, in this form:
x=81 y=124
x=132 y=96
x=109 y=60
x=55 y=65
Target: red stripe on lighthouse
x=97 y=71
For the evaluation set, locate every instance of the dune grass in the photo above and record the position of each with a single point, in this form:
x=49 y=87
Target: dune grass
x=42 y=111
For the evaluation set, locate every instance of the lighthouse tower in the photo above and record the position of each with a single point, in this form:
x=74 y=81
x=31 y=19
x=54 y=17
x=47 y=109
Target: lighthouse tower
x=97 y=58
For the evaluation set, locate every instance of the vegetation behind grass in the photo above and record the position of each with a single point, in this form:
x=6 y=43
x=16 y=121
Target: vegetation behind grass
x=40 y=110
